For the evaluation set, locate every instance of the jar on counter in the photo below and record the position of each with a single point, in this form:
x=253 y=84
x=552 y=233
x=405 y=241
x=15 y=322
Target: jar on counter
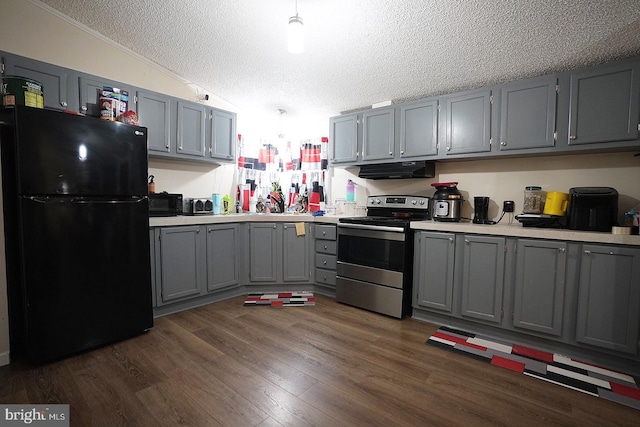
x=533 y=200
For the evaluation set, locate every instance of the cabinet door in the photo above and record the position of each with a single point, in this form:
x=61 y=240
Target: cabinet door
x=90 y=90
x=59 y=90
x=433 y=271
x=295 y=253
x=466 y=123
x=378 y=134
x=264 y=257
x=419 y=130
x=192 y=120
x=343 y=141
x=609 y=298
x=222 y=256
x=223 y=135
x=181 y=271
x=539 y=286
x=154 y=113
x=528 y=114
x=483 y=277
x=604 y=104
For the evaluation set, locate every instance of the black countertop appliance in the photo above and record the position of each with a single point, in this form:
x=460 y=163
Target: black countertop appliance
x=593 y=208
x=76 y=215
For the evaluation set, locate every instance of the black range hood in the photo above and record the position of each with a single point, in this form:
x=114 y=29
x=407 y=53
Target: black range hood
x=415 y=169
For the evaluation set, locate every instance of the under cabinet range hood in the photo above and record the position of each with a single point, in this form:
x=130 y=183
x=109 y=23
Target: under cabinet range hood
x=415 y=169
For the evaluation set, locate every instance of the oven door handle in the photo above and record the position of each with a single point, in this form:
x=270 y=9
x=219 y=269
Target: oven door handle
x=373 y=227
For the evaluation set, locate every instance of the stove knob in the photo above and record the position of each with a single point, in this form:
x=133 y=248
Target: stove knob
x=376 y=201
x=413 y=202
x=422 y=202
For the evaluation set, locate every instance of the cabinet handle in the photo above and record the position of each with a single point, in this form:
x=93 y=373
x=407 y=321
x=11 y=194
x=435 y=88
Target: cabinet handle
x=198 y=231
x=325 y=277
x=401 y=151
x=573 y=137
x=83 y=108
x=587 y=253
x=274 y=227
x=503 y=143
x=324 y=233
x=285 y=227
x=448 y=148
x=561 y=250
x=324 y=262
x=391 y=153
x=63 y=103
x=325 y=246
x=466 y=242
x=451 y=240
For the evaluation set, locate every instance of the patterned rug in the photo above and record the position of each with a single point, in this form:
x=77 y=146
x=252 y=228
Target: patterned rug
x=552 y=367
x=281 y=299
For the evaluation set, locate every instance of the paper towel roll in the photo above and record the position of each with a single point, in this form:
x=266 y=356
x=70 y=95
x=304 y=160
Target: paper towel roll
x=620 y=230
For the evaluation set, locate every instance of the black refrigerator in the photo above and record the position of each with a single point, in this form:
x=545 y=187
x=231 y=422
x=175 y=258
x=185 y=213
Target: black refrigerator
x=76 y=227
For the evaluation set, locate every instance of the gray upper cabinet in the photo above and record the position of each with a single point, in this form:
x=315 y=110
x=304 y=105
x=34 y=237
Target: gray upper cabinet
x=191 y=136
x=604 y=104
x=59 y=84
x=609 y=298
x=90 y=90
x=222 y=139
x=180 y=263
x=433 y=271
x=482 y=277
x=528 y=114
x=378 y=134
x=539 y=286
x=222 y=257
x=418 y=130
x=296 y=250
x=343 y=139
x=465 y=123
x=154 y=113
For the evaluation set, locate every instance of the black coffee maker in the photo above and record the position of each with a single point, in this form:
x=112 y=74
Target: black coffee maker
x=481 y=210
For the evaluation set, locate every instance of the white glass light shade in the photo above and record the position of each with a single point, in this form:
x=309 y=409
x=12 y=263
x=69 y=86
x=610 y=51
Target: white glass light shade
x=295 y=35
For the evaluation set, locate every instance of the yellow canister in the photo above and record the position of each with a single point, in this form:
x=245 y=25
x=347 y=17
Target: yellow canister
x=557 y=203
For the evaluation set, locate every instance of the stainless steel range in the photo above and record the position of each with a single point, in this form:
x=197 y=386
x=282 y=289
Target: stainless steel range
x=375 y=254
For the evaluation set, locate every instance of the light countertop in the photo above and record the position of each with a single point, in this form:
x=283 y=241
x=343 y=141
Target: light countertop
x=517 y=230
x=514 y=230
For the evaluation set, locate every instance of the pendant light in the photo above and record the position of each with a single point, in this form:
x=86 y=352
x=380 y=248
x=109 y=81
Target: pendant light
x=295 y=33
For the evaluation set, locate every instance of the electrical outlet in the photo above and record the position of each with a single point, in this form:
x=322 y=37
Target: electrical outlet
x=509 y=206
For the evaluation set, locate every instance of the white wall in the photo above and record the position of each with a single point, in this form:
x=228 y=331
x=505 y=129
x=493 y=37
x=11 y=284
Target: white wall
x=505 y=179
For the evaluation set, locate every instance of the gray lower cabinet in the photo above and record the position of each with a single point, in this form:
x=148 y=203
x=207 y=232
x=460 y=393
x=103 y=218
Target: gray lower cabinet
x=60 y=85
x=528 y=114
x=609 y=298
x=481 y=277
x=180 y=262
x=325 y=254
x=465 y=123
x=279 y=253
x=378 y=134
x=343 y=139
x=418 y=130
x=433 y=271
x=154 y=113
x=539 y=286
x=605 y=104
x=223 y=264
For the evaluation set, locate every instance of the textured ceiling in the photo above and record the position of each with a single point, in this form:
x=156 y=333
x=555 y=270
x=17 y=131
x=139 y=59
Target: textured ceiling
x=358 y=52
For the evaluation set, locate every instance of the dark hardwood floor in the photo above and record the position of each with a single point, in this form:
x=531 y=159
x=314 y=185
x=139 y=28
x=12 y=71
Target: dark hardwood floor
x=328 y=365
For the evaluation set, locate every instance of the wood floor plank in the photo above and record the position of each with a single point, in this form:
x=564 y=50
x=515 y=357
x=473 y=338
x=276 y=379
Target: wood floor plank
x=224 y=364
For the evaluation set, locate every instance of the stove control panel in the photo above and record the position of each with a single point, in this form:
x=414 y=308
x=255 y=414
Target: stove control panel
x=404 y=202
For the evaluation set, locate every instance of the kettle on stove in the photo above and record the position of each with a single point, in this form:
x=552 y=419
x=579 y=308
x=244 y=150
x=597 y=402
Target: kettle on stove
x=446 y=202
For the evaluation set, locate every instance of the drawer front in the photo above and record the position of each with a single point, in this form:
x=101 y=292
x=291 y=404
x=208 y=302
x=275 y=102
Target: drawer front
x=326 y=232
x=326 y=247
x=328 y=277
x=326 y=261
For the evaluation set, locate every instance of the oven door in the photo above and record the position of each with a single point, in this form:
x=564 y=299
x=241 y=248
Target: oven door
x=372 y=253
x=370 y=271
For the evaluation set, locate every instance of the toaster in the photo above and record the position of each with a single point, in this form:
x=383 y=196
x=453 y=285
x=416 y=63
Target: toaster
x=593 y=208
x=195 y=206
